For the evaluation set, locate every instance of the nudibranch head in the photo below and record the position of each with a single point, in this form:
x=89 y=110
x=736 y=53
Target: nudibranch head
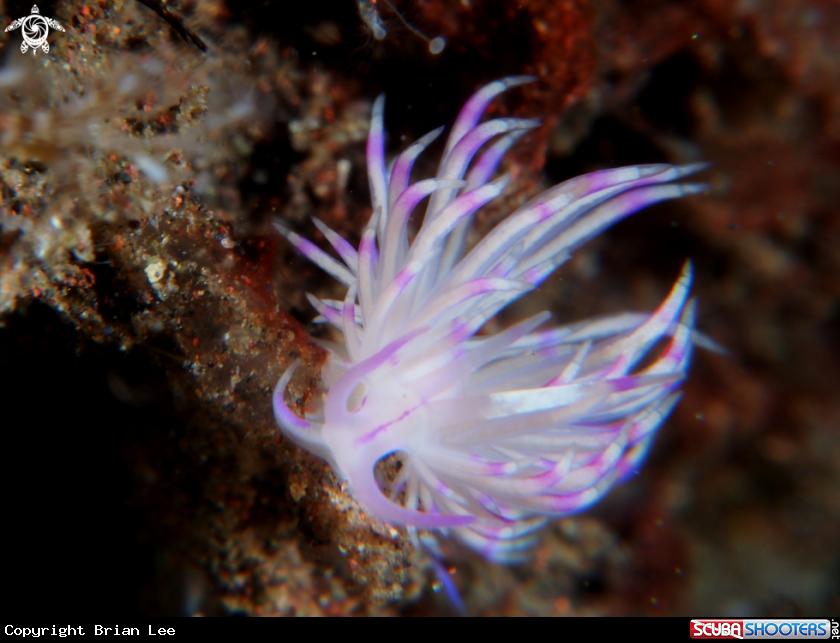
x=497 y=433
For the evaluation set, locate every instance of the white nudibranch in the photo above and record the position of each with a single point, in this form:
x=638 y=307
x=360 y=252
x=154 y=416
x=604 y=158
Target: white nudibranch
x=497 y=432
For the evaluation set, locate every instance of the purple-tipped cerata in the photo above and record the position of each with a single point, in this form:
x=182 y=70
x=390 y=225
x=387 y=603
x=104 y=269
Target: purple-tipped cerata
x=497 y=432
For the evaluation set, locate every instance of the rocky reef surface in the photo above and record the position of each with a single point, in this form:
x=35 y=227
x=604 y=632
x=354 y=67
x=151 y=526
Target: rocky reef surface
x=147 y=309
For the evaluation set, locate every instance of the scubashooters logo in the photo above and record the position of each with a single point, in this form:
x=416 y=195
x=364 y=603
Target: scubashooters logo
x=753 y=628
x=35 y=29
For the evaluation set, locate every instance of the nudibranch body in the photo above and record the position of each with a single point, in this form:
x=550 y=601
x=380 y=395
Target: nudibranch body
x=497 y=432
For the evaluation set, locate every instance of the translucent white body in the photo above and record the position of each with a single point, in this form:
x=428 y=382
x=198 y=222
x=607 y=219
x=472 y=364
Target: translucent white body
x=497 y=432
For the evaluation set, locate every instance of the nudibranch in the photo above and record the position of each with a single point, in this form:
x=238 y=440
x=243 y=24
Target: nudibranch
x=497 y=433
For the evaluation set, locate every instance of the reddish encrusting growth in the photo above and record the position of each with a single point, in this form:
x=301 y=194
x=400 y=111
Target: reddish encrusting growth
x=555 y=42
